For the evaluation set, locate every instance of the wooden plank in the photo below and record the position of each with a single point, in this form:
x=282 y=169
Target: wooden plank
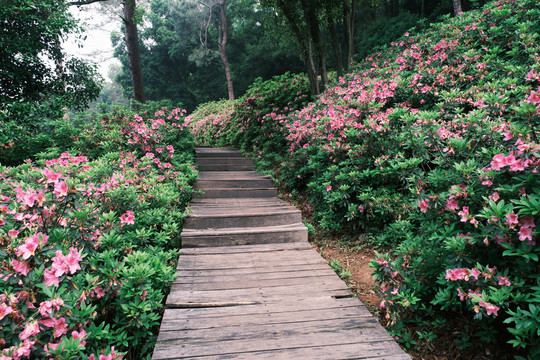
x=242 y=319
x=179 y=348
x=313 y=303
x=304 y=245
x=219 y=284
x=251 y=280
x=220 y=261
x=250 y=270
x=376 y=351
x=369 y=327
x=193 y=277
x=271 y=294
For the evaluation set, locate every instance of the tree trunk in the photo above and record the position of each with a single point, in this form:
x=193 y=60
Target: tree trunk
x=457 y=7
x=335 y=43
x=349 y=8
x=223 y=37
x=305 y=48
x=315 y=34
x=134 y=53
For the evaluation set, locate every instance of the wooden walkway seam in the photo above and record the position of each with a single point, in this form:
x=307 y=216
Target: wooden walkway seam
x=250 y=286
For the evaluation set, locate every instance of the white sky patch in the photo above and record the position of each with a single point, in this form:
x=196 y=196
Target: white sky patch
x=97 y=47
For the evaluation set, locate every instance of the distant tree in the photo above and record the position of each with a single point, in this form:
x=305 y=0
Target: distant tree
x=33 y=67
x=130 y=20
x=457 y=7
x=217 y=10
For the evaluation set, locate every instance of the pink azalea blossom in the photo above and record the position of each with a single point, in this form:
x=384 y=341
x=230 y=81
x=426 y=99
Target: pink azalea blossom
x=475 y=273
x=525 y=233
x=20 y=266
x=5 y=310
x=60 y=328
x=51 y=278
x=61 y=189
x=511 y=219
x=128 y=218
x=491 y=309
x=31 y=329
x=46 y=307
x=423 y=205
x=503 y=281
x=73 y=259
x=328 y=188
x=52 y=177
x=528 y=222
x=495 y=197
x=464 y=213
x=452 y=204
x=29 y=247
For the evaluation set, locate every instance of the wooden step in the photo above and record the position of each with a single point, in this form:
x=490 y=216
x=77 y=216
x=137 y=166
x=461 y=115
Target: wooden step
x=254 y=183
x=237 y=193
x=244 y=236
x=252 y=218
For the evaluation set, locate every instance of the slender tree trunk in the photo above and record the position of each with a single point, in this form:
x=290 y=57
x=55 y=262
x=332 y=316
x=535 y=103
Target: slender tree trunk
x=335 y=43
x=223 y=37
x=313 y=29
x=457 y=7
x=134 y=52
x=305 y=48
x=349 y=9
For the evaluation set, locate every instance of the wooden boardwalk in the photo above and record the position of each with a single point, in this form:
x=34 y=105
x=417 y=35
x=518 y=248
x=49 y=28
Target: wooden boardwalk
x=249 y=284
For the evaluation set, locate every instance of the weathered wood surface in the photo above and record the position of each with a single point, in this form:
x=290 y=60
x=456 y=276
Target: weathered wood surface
x=264 y=296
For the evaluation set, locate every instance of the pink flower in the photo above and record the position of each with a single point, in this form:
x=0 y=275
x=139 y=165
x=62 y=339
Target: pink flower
x=464 y=213
x=491 y=309
x=59 y=265
x=13 y=233
x=20 y=266
x=511 y=219
x=475 y=273
x=528 y=222
x=498 y=162
x=495 y=197
x=452 y=204
x=503 y=281
x=73 y=259
x=382 y=262
x=5 y=310
x=79 y=335
x=457 y=274
x=51 y=278
x=128 y=218
x=534 y=97
x=328 y=188
x=423 y=205
x=60 y=328
x=461 y=294
x=31 y=329
x=28 y=248
x=52 y=177
x=46 y=307
x=525 y=233
x=61 y=189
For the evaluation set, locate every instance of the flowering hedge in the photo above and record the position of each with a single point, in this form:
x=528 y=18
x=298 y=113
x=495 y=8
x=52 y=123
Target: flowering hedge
x=88 y=247
x=431 y=146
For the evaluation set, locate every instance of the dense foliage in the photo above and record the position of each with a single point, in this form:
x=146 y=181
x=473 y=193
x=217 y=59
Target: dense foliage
x=431 y=146
x=37 y=79
x=251 y=122
x=89 y=237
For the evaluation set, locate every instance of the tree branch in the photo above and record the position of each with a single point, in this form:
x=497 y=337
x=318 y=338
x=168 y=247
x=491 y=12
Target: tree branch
x=84 y=2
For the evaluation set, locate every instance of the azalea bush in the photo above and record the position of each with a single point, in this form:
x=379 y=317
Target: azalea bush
x=254 y=122
x=89 y=245
x=431 y=148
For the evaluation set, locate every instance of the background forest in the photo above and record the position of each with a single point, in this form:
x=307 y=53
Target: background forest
x=406 y=125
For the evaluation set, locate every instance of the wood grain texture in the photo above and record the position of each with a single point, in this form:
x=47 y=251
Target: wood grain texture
x=275 y=298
